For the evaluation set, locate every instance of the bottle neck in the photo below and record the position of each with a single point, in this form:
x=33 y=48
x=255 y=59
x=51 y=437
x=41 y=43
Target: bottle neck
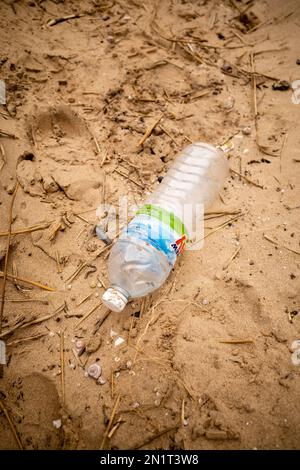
x=122 y=291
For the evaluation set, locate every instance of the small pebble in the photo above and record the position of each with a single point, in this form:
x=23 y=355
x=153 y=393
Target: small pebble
x=101 y=381
x=69 y=286
x=246 y=130
x=93 y=344
x=281 y=85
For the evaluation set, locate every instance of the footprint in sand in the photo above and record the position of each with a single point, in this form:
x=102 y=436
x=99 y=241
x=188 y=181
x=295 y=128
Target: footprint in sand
x=62 y=156
x=37 y=405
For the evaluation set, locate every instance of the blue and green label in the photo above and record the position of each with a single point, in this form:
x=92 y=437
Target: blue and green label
x=160 y=228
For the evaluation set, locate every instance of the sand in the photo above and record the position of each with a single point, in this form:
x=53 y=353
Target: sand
x=206 y=361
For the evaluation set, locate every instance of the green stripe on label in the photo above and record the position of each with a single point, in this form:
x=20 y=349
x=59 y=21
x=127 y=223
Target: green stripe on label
x=164 y=216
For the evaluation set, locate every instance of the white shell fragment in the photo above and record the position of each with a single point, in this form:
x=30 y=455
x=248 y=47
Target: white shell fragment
x=296 y=357
x=94 y=371
x=119 y=341
x=295 y=345
x=57 y=423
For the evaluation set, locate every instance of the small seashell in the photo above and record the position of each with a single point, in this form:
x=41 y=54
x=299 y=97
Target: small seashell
x=135 y=404
x=128 y=364
x=101 y=381
x=95 y=371
x=80 y=347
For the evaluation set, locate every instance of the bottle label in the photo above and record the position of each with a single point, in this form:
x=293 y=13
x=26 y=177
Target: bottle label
x=160 y=228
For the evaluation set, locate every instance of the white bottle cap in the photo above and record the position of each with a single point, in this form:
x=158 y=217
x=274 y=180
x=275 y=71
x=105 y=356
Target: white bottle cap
x=114 y=299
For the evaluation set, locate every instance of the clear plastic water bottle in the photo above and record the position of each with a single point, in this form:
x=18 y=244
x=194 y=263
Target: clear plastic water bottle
x=146 y=251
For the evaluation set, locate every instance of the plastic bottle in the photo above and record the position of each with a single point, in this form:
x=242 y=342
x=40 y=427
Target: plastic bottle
x=146 y=251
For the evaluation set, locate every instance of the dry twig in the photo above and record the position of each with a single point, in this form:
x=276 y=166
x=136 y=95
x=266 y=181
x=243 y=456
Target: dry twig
x=247 y=179
x=109 y=426
x=11 y=425
x=62 y=365
x=33 y=228
x=99 y=304
x=231 y=258
x=149 y=131
x=281 y=246
x=63 y=18
x=5 y=275
x=236 y=341
x=11 y=277
x=27 y=338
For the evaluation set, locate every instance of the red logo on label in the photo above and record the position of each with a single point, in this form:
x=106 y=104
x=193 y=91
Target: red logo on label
x=179 y=245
